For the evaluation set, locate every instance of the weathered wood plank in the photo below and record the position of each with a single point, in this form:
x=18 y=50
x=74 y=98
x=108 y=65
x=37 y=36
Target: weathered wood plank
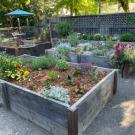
x=72 y=122
x=5 y=96
x=92 y=102
x=40 y=105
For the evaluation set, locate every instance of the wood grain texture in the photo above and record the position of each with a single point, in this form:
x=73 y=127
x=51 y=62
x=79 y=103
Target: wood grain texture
x=47 y=114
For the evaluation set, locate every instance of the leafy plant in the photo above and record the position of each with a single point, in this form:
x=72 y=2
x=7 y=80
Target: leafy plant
x=52 y=75
x=45 y=81
x=57 y=93
x=123 y=52
x=43 y=62
x=62 y=51
x=78 y=86
x=97 y=37
x=70 y=80
x=63 y=29
x=11 y=68
x=127 y=37
x=94 y=73
x=62 y=65
x=129 y=55
x=73 y=40
x=90 y=37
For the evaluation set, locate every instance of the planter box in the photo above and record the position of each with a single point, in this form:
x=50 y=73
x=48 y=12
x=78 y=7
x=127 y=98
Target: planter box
x=50 y=52
x=73 y=57
x=98 y=60
x=35 y=50
x=55 y=117
x=101 y=61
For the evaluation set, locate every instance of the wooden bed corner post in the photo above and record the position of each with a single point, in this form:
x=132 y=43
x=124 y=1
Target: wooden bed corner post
x=5 y=97
x=72 y=122
x=115 y=82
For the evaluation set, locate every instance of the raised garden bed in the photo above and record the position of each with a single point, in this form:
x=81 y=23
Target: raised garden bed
x=54 y=116
x=34 y=50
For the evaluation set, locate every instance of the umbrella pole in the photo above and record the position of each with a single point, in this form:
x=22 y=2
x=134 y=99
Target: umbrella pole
x=27 y=20
x=18 y=20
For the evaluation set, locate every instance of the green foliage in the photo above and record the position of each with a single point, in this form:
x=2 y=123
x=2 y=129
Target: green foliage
x=43 y=62
x=129 y=55
x=46 y=84
x=8 y=69
x=86 y=37
x=70 y=80
x=97 y=37
x=63 y=29
x=62 y=51
x=57 y=93
x=73 y=40
x=127 y=38
x=62 y=65
x=53 y=75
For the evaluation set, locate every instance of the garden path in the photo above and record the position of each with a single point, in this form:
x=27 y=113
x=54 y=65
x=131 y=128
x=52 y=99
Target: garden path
x=117 y=118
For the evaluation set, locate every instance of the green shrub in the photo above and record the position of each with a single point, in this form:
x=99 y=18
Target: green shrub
x=52 y=75
x=127 y=38
x=97 y=37
x=43 y=62
x=63 y=29
x=90 y=37
x=84 y=36
x=73 y=40
x=62 y=65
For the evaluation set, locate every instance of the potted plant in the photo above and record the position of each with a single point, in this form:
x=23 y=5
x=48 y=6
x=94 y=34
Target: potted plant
x=125 y=56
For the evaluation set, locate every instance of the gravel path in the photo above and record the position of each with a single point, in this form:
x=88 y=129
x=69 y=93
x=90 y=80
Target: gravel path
x=117 y=118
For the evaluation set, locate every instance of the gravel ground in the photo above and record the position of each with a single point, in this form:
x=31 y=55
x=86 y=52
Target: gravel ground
x=117 y=118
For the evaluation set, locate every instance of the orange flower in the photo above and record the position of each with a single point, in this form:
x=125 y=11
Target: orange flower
x=18 y=66
x=26 y=73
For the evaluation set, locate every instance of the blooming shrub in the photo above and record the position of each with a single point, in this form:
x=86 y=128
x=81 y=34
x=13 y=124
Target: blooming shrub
x=121 y=52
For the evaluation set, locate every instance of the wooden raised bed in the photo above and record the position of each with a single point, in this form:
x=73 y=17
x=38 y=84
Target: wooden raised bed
x=55 y=117
x=35 y=50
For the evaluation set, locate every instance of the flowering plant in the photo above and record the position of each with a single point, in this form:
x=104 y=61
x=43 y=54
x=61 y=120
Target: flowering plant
x=77 y=86
x=120 y=49
x=20 y=72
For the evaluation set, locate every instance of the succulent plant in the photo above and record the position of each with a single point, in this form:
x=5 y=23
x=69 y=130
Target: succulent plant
x=57 y=93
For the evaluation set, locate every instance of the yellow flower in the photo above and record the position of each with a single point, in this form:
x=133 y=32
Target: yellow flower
x=26 y=73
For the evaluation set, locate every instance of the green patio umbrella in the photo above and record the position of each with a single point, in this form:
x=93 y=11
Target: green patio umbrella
x=17 y=13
